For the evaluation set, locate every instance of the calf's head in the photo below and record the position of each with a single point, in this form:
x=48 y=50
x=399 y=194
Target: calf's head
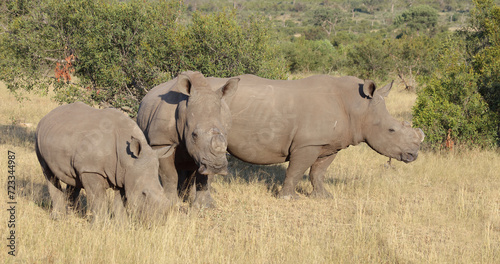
x=383 y=133
x=142 y=186
x=203 y=122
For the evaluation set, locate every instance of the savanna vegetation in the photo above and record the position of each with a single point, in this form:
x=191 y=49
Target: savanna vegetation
x=442 y=208
x=444 y=56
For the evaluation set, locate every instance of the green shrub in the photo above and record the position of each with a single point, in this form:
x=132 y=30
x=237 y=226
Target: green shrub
x=219 y=45
x=119 y=50
x=483 y=46
x=311 y=56
x=369 y=58
x=451 y=101
x=417 y=19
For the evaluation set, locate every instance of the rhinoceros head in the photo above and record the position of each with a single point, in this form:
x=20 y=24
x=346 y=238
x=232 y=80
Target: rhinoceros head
x=141 y=183
x=385 y=134
x=204 y=121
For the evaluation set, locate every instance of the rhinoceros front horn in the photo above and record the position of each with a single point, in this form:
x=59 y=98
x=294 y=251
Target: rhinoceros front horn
x=421 y=134
x=218 y=144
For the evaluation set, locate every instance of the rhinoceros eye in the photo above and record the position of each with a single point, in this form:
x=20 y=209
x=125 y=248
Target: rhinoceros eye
x=194 y=135
x=392 y=130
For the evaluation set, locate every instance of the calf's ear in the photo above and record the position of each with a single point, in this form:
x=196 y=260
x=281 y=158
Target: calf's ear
x=165 y=152
x=369 y=88
x=135 y=146
x=229 y=89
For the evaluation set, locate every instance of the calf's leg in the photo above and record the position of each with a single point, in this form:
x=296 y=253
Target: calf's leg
x=56 y=193
x=57 y=196
x=95 y=185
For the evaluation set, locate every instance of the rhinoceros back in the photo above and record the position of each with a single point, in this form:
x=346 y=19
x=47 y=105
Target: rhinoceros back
x=75 y=138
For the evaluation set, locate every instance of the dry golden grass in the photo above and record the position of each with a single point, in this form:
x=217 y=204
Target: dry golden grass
x=443 y=208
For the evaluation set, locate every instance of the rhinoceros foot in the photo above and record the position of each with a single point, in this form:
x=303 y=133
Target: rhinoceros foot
x=203 y=200
x=288 y=195
x=321 y=194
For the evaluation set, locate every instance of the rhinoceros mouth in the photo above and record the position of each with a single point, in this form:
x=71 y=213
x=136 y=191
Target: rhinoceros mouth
x=217 y=168
x=408 y=157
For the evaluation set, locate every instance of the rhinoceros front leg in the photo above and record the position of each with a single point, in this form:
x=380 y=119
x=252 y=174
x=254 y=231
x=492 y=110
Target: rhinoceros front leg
x=169 y=178
x=119 y=210
x=95 y=186
x=203 y=198
x=317 y=176
x=187 y=188
x=300 y=160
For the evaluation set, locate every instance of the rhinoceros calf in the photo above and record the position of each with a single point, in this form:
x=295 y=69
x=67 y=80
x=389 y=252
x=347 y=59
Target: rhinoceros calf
x=188 y=113
x=307 y=121
x=97 y=149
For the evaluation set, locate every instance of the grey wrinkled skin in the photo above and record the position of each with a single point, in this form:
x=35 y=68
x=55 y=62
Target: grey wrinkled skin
x=307 y=121
x=94 y=149
x=191 y=114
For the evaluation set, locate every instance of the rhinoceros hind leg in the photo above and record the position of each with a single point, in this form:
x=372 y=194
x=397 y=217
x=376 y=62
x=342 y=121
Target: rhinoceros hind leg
x=300 y=160
x=95 y=186
x=317 y=177
x=58 y=198
x=72 y=193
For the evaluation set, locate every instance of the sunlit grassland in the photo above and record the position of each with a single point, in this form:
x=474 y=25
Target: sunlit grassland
x=442 y=208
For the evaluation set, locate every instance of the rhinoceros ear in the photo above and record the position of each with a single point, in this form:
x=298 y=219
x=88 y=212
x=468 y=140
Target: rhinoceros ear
x=369 y=88
x=229 y=89
x=165 y=152
x=135 y=146
x=183 y=84
x=384 y=91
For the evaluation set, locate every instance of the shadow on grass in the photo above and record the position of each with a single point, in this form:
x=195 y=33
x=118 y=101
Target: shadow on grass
x=39 y=194
x=272 y=176
x=17 y=135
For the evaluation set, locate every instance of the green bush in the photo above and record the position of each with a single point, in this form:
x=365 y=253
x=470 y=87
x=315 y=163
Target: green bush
x=417 y=19
x=369 y=58
x=483 y=46
x=451 y=101
x=118 y=50
x=218 y=45
x=311 y=56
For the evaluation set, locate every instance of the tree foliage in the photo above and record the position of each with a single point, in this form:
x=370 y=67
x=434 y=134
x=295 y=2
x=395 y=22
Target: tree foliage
x=417 y=19
x=311 y=56
x=119 y=50
x=218 y=45
x=413 y=58
x=483 y=46
x=453 y=101
x=369 y=58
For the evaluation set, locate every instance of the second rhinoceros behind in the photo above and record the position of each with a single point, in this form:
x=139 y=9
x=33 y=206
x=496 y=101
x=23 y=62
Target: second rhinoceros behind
x=94 y=149
x=193 y=115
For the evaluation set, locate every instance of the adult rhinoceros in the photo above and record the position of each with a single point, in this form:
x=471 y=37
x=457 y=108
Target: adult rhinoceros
x=99 y=149
x=189 y=113
x=307 y=121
